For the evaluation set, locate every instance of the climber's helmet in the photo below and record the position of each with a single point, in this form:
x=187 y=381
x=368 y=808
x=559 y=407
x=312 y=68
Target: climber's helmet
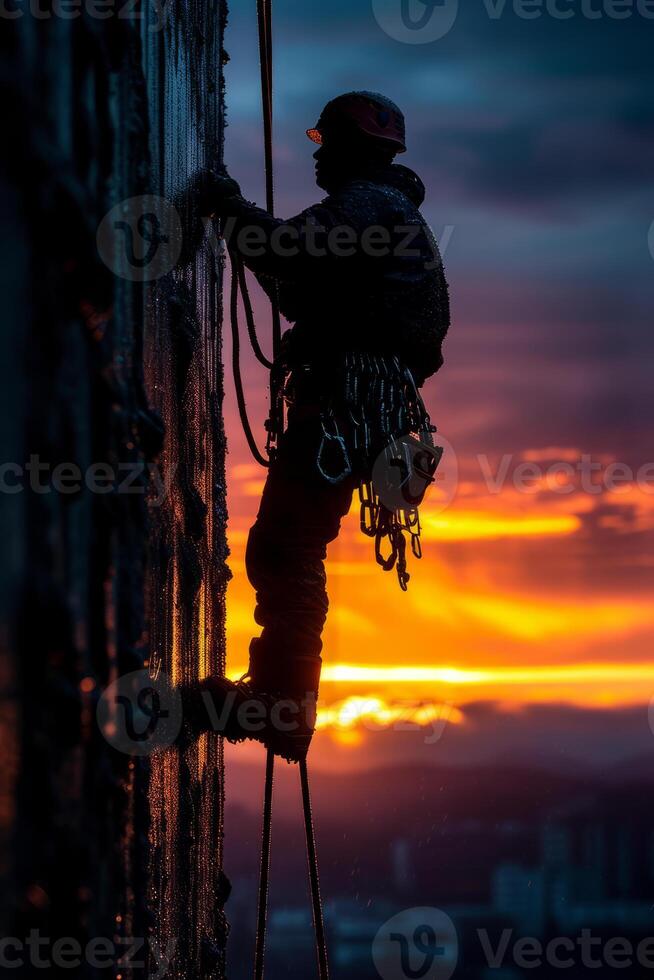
x=366 y=114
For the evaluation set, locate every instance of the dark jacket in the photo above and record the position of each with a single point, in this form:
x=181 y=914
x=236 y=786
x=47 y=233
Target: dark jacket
x=361 y=271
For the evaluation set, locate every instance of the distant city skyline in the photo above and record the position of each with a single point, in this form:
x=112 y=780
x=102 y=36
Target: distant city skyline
x=503 y=851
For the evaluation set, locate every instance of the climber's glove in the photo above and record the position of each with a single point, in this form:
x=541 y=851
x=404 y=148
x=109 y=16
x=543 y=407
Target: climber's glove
x=203 y=196
x=206 y=191
x=215 y=188
x=220 y=187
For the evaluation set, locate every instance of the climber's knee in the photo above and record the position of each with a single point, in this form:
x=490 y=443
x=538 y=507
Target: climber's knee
x=259 y=555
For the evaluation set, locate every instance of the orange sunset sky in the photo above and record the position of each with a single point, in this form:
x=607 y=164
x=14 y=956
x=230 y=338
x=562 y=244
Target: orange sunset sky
x=527 y=592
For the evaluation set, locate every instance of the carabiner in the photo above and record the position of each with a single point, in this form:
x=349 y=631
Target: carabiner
x=337 y=438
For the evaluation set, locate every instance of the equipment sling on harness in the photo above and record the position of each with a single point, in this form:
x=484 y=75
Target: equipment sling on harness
x=376 y=427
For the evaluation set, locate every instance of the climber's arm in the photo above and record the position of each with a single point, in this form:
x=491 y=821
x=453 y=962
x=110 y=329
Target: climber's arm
x=269 y=246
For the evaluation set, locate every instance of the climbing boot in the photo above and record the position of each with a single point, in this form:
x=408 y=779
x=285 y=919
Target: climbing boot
x=239 y=711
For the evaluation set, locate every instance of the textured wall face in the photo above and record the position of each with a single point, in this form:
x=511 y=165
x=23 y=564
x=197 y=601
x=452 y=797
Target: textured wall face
x=189 y=574
x=100 y=111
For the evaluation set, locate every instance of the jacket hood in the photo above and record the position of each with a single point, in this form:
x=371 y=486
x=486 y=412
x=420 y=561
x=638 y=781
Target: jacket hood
x=403 y=179
x=391 y=175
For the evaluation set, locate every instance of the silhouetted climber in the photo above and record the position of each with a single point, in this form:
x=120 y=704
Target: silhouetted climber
x=360 y=277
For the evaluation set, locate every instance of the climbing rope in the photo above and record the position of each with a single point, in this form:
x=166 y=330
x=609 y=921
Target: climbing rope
x=249 y=314
x=236 y=363
x=316 y=901
x=264 y=18
x=264 y=870
x=275 y=421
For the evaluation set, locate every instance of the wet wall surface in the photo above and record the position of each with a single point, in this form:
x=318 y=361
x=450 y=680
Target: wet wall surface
x=95 y=842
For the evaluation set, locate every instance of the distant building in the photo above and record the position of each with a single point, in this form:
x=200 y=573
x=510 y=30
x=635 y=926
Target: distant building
x=519 y=893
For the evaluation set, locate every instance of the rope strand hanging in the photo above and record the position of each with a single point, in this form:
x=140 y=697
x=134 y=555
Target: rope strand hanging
x=236 y=365
x=275 y=422
x=264 y=16
x=249 y=318
x=264 y=870
x=312 y=857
